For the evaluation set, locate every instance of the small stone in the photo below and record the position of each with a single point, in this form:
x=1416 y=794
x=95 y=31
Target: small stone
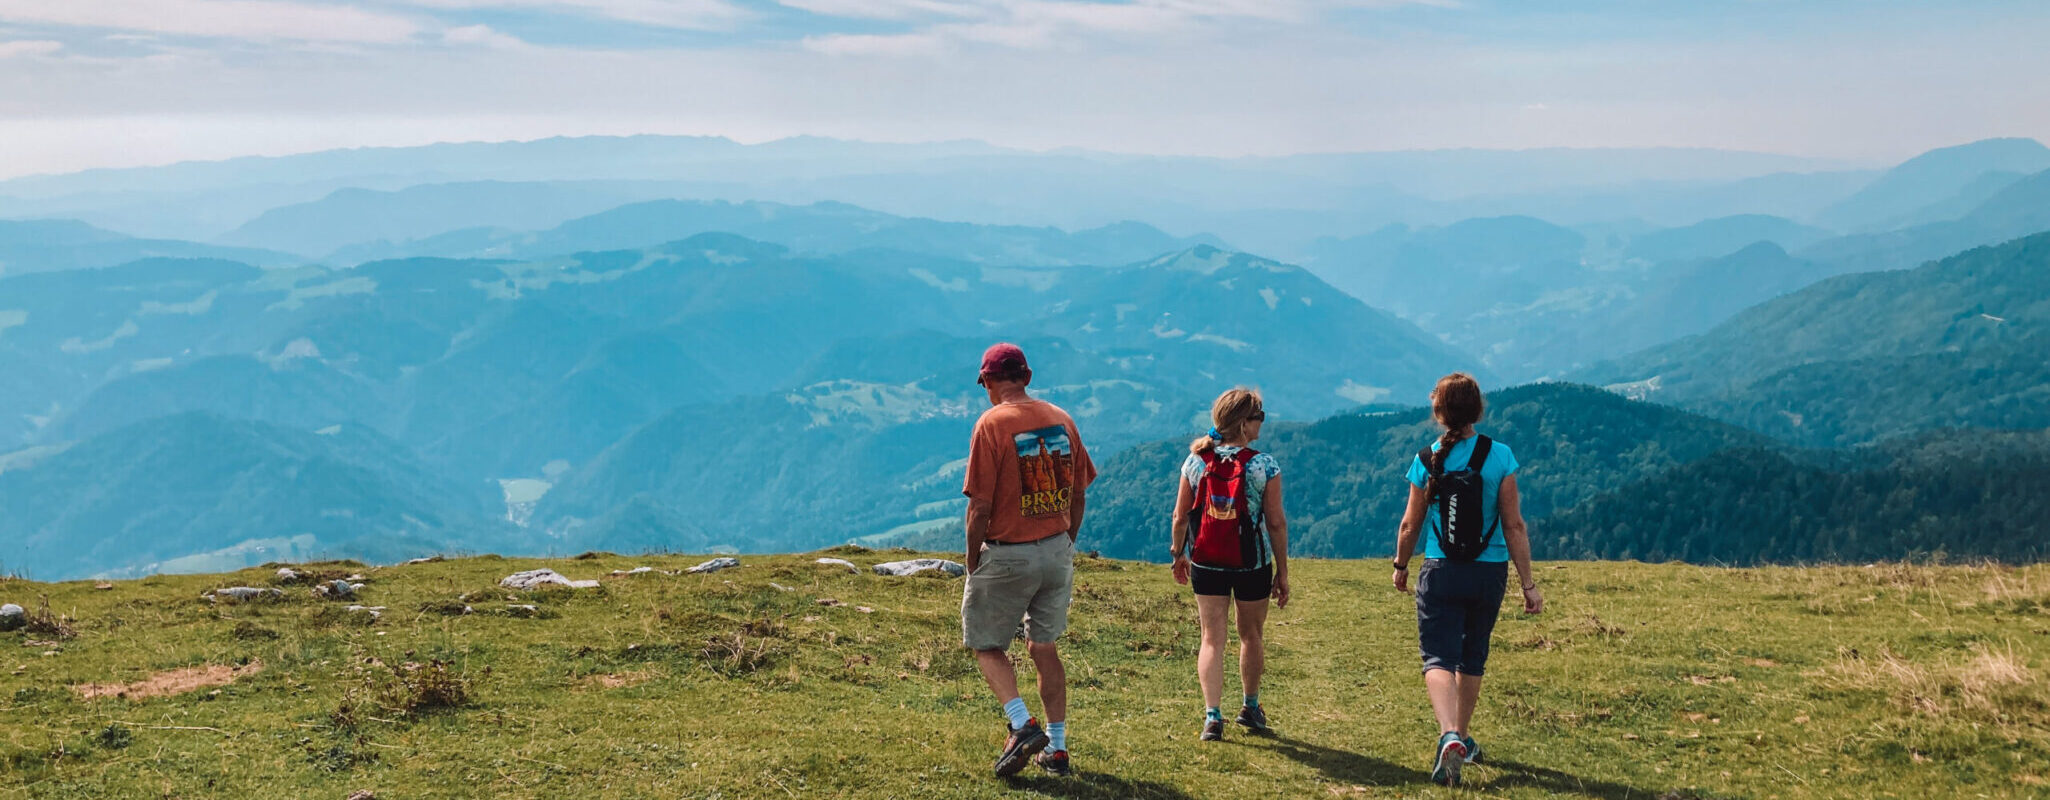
x=918 y=565
x=362 y=794
x=373 y=611
x=12 y=617
x=714 y=565
x=289 y=575
x=780 y=587
x=838 y=562
x=536 y=578
x=337 y=590
x=103 y=586
x=427 y=560
x=865 y=609
x=244 y=594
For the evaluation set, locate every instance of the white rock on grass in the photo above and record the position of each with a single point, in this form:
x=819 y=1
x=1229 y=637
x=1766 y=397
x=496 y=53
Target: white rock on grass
x=714 y=565
x=288 y=574
x=627 y=573
x=12 y=617
x=244 y=594
x=536 y=578
x=918 y=565
x=373 y=611
x=838 y=562
x=337 y=590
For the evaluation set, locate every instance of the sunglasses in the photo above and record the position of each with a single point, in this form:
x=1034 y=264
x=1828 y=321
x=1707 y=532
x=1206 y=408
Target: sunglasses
x=1258 y=416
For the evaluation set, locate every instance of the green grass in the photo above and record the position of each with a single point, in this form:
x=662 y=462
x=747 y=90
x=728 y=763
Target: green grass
x=1640 y=681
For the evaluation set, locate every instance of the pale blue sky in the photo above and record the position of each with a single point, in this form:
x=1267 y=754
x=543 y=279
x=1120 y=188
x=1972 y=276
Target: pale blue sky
x=117 y=82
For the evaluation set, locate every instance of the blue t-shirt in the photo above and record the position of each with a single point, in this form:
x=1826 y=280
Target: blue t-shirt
x=1501 y=464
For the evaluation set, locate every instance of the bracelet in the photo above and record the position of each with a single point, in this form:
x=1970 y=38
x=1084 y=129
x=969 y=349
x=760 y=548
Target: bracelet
x=1399 y=566
x=1530 y=586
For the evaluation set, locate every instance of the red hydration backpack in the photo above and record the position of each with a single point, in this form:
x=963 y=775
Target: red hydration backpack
x=1227 y=536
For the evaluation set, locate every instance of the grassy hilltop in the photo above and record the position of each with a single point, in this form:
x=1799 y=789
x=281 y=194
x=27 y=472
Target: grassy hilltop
x=1640 y=681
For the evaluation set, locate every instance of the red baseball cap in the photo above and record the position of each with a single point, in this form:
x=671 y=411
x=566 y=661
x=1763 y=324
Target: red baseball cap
x=1003 y=358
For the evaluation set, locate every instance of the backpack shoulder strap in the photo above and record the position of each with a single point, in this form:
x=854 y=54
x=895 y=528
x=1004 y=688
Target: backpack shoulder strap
x=1481 y=446
x=1424 y=456
x=1245 y=455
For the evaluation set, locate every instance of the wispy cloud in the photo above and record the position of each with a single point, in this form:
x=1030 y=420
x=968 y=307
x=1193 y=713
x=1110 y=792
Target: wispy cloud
x=1028 y=24
x=29 y=47
x=677 y=14
x=229 y=19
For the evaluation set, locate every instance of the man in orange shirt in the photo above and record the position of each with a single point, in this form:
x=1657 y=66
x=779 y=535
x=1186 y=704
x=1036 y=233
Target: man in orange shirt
x=1027 y=471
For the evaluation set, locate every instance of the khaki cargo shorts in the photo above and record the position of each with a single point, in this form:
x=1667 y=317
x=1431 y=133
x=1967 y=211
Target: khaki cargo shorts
x=1033 y=582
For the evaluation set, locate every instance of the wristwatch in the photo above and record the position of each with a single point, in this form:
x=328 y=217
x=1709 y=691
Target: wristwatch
x=1173 y=554
x=1399 y=566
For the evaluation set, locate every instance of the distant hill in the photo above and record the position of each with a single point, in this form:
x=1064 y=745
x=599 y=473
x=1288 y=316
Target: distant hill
x=56 y=244
x=1267 y=204
x=2019 y=208
x=816 y=229
x=1930 y=178
x=1981 y=294
x=1859 y=357
x=1722 y=236
x=194 y=492
x=368 y=218
x=1538 y=301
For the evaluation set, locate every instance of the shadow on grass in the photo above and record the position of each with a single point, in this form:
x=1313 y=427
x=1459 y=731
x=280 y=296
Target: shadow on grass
x=1090 y=785
x=1509 y=774
x=1345 y=767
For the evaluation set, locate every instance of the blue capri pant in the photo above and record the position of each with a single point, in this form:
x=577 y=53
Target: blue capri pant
x=1456 y=606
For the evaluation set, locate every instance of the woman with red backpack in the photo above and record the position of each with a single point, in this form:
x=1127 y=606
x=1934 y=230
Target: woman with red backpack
x=1229 y=502
x=1463 y=505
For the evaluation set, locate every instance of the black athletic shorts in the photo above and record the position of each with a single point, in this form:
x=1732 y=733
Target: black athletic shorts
x=1456 y=606
x=1245 y=585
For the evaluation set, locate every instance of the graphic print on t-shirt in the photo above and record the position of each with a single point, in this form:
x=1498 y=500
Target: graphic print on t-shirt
x=1046 y=470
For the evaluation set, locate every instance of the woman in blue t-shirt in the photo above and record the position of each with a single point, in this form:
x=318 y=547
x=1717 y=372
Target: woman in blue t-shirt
x=1457 y=600
x=1255 y=566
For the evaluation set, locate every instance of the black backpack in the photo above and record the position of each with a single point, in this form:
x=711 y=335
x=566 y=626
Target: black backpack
x=1463 y=536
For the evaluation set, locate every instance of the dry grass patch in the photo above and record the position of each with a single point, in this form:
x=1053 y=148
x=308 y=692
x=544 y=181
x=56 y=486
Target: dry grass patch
x=170 y=682
x=1990 y=685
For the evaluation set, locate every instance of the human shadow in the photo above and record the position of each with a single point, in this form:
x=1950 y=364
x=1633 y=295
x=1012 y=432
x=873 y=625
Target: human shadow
x=1509 y=774
x=1345 y=767
x=1085 y=785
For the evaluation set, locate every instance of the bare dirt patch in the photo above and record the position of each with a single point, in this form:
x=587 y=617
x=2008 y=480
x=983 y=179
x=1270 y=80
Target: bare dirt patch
x=170 y=682
x=618 y=680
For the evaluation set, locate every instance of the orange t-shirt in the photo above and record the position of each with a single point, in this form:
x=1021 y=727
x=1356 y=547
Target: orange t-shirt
x=1027 y=460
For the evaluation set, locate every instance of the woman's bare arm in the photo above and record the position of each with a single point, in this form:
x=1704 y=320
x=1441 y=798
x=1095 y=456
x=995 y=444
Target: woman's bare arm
x=1406 y=536
x=1515 y=534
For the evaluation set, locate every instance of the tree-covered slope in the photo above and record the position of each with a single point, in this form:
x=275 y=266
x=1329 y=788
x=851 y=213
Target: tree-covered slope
x=198 y=492
x=1967 y=494
x=1343 y=476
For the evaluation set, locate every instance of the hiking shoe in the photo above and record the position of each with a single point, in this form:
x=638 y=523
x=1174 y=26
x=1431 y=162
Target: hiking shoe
x=1213 y=730
x=1451 y=756
x=1254 y=718
x=1473 y=749
x=1055 y=763
x=1023 y=744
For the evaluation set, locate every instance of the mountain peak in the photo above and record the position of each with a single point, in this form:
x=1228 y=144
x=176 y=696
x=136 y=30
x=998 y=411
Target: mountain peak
x=1208 y=259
